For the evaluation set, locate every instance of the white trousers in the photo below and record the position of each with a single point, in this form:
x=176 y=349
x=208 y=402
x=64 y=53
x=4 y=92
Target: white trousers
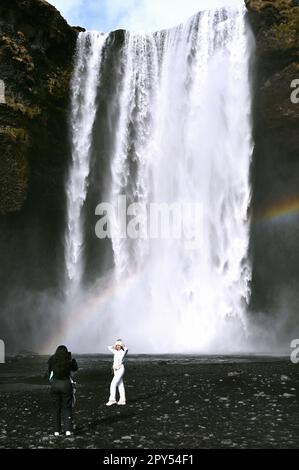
x=117 y=382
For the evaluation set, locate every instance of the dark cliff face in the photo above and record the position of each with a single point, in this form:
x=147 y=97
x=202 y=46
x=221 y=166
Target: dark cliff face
x=36 y=49
x=36 y=54
x=275 y=171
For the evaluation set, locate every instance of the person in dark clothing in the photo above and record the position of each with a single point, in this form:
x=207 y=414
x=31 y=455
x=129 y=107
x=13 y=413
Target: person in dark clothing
x=60 y=367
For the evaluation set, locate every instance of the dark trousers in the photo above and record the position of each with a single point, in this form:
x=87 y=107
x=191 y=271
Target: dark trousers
x=62 y=393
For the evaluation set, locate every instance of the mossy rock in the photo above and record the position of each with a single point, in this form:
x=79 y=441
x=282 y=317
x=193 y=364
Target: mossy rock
x=276 y=25
x=58 y=84
x=16 y=134
x=14 y=169
x=17 y=52
x=30 y=112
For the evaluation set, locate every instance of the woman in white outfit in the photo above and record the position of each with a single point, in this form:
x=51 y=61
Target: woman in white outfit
x=119 y=350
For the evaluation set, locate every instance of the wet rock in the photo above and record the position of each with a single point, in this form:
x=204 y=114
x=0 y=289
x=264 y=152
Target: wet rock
x=284 y=378
x=226 y=442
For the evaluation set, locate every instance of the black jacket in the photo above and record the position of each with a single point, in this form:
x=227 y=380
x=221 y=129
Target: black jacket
x=63 y=370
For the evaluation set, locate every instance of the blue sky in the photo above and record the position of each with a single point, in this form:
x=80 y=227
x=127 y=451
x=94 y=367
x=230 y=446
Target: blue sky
x=146 y=15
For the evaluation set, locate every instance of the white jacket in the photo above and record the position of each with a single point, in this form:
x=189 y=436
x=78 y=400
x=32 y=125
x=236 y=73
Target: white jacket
x=119 y=357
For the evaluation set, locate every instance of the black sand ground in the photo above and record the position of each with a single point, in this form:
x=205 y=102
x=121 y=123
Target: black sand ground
x=173 y=402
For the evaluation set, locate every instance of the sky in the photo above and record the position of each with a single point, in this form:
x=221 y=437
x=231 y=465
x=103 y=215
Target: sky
x=133 y=15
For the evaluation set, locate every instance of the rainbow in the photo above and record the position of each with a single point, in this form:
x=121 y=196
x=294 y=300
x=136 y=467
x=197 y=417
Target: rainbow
x=85 y=314
x=279 y=212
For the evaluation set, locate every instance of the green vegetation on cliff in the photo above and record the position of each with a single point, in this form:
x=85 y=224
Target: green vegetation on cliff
x=36 y=51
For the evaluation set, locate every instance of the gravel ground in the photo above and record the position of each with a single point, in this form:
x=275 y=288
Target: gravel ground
x=172 y=402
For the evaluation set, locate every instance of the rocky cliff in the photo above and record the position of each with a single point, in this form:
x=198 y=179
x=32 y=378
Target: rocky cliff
x=36 y=53
x=36 y=49
x=275 y=170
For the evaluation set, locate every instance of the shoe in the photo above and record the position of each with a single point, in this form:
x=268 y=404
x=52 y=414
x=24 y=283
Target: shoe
x=56 y=434
x=68 y=433
x=110 y=403
x=121 y=402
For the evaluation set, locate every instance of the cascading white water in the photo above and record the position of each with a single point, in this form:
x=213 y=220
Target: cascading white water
x=84 y=85
x=184 y=135
x=129 y=165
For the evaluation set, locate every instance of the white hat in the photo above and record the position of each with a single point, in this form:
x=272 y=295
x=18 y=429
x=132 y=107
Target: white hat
x=119 y=343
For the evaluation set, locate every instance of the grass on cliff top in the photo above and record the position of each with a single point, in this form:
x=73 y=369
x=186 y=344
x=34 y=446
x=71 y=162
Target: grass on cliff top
x=280 y=19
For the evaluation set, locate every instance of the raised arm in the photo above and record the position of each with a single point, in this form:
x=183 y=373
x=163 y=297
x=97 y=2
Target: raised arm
x=111 y=349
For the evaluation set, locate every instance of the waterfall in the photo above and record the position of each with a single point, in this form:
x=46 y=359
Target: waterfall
x=183 y=138
x=84 y=85
x=129 y=164
x=187 y=96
